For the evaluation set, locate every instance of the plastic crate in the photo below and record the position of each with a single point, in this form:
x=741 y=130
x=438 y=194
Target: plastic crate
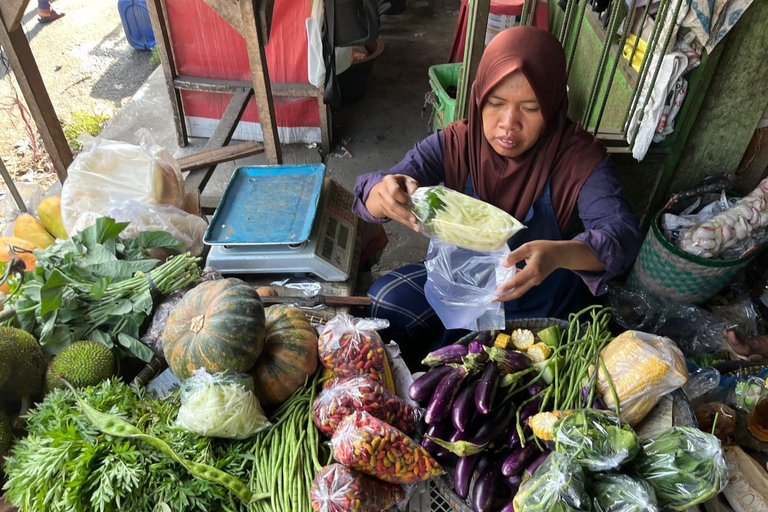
x=436 y=495
x=441 y=77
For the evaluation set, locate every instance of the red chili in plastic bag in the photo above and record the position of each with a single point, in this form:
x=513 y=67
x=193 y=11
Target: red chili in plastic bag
x=376 y=448
x=362 y=394
x=337 y=488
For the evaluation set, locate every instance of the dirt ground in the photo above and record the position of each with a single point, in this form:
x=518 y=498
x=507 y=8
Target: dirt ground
x=86 y=63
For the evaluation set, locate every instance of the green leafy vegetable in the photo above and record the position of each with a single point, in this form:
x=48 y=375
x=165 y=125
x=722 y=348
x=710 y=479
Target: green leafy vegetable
x=98 y=286
x=556 y=486
x=613 y=492
x=598 y=440
x=684 y=465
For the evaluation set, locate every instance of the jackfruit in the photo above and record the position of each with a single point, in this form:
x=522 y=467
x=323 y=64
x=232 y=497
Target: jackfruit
x=22 y=364
x=6 y=436
x=83 y=363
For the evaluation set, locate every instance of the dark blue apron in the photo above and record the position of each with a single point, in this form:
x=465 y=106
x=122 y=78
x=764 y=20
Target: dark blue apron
x=562 y=292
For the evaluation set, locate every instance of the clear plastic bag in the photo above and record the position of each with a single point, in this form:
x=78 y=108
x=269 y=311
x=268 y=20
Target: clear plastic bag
x=378 y=449
x=558 y=484
x=337 y=488
x=740 y=315
x=598 y=440
x=684 y=465
x=642 y=368
x=221 y=405
x=458 y=219
x=362 y=394
x=351 y=346
x=109 y=172
x=461 y=286
x=695 y=330
x=621 y=493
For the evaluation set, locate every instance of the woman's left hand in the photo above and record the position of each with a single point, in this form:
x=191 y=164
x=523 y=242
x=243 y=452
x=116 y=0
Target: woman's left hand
x=542 y=257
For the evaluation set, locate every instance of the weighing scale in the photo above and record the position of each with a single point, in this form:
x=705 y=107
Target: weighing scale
x=283 y=219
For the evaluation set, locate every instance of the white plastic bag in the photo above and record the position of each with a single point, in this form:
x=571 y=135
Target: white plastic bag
x=315 y=62
x=461 y=285
x=109 y=172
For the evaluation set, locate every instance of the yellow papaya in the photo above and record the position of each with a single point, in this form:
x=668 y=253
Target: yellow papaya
x=29 y=259
x=49 y=212
x=29 y=228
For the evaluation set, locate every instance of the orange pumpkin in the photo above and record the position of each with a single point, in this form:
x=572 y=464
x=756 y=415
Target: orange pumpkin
x=29 y=259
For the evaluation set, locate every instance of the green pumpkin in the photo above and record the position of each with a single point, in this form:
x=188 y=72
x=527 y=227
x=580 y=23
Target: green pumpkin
x=219 y=325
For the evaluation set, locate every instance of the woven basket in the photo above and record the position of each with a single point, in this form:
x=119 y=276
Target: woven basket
x=662 y=270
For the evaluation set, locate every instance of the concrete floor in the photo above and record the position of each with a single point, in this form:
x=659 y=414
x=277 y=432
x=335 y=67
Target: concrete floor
x=377 y=130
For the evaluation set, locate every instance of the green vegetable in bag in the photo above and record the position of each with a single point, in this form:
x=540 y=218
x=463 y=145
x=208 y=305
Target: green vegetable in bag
x=612 y=492
x=684 y=465
x=556 y=486
x=598 y=440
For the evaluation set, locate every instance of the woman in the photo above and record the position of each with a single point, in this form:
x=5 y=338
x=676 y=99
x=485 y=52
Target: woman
x=519 y=152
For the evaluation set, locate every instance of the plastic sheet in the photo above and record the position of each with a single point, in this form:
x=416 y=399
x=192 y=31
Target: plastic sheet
x=351 y=346
x=695 y=330
x=701 y=383
x=458 y=219
x=461 y=286
x=362 y=394
x=621 y=493
x=684 y=465
x=337 y=488
x=642 y=368
x=597 y=440
x=221 y=405
x=376 y=448
x=107 y=173
x=558 y=484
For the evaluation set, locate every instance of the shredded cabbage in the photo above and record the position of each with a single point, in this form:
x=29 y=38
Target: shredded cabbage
x=461 y=220
x=221 y=405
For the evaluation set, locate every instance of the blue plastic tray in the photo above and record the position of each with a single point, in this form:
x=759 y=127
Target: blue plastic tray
x=267 y=204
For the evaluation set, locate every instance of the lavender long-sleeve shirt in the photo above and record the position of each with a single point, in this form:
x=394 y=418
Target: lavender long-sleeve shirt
x=611 y=231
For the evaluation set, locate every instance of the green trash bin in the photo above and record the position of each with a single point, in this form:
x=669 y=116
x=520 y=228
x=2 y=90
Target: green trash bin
x=441 y=77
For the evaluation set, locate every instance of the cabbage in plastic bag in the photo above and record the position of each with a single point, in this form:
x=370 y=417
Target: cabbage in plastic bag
x=613 y=492
x=598 y=440
x=461 y=220
x=684 y=465
x=556 y=486
x=221 y=405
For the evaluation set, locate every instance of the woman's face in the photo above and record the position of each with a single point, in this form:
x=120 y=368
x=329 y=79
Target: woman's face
x=512 y=119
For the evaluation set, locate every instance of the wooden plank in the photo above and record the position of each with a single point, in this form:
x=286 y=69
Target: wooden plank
x=475 y=42
x=12 y=11
x=209 y=204
x=261 y=85
x=216 y=156
x=326 y=125
x=282 y=89
x=11 y=186
x=30 y=82
x=220 y=137
x=159 y=17
x=296 y=90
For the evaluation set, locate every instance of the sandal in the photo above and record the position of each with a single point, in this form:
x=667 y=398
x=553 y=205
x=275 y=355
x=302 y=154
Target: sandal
x=48 y=15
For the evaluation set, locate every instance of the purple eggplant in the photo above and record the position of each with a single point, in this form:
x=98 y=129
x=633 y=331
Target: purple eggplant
x=513 y=439
x=423 y=387
x=538 y=461
x=475 y=347
x=496 y=424
x=440 y=404
x=510 y=361
x=510 y=506
x=513 y=481
x=462 y=474
x=445 y=355
x=485 y=459
x=535 y=388
x=529 y=410
x=464 y=407
x=458 y=436
x=440 y=430
x=484 y=337
x=486 y=389
x=518 y=460
x=485 y=487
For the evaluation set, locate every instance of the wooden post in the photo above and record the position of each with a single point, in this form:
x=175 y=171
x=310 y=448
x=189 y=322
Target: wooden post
x=261 y=86
x=32 y=87
x=477 y=23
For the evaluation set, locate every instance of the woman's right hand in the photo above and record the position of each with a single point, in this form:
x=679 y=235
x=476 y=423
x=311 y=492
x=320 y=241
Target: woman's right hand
x=391 y=198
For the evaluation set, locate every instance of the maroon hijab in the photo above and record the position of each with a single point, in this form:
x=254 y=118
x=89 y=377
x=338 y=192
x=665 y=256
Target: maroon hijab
x=565 y=153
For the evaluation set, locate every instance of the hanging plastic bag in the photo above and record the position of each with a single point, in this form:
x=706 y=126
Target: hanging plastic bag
x=221 y=405
x=337 y=488
x=109 y=172
x=458 y=219
x=461 y=286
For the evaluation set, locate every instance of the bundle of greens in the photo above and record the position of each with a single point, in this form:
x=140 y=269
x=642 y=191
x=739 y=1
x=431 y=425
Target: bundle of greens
x=598 y=440
x=98 y=286
x=120 y=450
x=556 y=486
x=613 y=492
x=684 y=465
x=461 y=220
